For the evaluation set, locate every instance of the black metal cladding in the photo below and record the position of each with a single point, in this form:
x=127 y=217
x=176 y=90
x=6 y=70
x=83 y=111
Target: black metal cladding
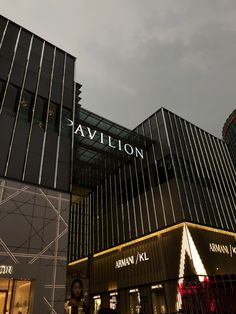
x=186 y=175
x=36 y=95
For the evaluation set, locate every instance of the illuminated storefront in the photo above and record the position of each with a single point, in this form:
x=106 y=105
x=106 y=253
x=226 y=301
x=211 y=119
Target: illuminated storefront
x=16 y=296
x=153 y=233
x=186 y=267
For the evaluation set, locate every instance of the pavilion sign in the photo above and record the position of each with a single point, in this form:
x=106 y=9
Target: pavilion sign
x=105 y=139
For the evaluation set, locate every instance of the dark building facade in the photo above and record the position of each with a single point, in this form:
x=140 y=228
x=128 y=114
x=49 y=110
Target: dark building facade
x=185 y=175
x=145 y=217
x=36 y=96
x=150 y=231
x=229 y=135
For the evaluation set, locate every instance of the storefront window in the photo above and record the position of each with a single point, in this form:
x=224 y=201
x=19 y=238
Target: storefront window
x=15 y=296
x=3 y=301
x=9 y=295
x=158 y=299
x=97 y=304
x=5 y=295
x=21 y=297
x=134 y=297
x=113 y=300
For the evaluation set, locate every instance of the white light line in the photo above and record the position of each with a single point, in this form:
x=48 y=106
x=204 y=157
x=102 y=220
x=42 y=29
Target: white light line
x=46 y=248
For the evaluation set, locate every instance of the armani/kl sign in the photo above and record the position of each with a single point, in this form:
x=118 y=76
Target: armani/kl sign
x=222 y=249
x=132 y=260
x=107 y=140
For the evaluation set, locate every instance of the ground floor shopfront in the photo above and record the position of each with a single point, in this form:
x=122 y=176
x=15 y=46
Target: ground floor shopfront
x=33 y=248
x=214 y=295
x=186 y=268
x=16 y=296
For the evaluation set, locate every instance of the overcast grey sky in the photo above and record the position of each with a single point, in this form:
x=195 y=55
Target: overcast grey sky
x=135 y=56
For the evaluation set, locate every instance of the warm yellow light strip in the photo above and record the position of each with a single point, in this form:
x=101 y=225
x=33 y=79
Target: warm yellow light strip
x=212 y=229
x=78 y=261
x=152 y=235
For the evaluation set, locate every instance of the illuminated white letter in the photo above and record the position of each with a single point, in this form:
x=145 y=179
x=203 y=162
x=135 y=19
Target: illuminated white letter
x=138 y=152
x=79 y=129
x=109 y=142
x=119 y=144
x=102 y=142
x=131 y=150
x=91 y=135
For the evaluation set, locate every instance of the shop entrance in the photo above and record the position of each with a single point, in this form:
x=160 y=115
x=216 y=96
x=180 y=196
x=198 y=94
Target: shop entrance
x=15 y=296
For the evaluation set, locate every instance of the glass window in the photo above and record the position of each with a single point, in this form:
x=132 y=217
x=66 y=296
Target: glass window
x=20 y=59
x=3 y=301
x=12 y=98
x=16 y=296
x=21 y=296
x=53 y=117
x=97 y=304
x=2 y=87
x=3 y=23
x=158 y=299
x=7 y=49
x=113 y=300
x=66 y=129
x=68 y=97
x=11 y=33
x=56 y=92
x=40 y=112
x=135 y=304
x=26 y=104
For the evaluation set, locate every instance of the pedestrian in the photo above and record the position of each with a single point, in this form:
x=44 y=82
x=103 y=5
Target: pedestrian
x=76 y=304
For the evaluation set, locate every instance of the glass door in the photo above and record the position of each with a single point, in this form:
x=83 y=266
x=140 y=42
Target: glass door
x=3 y=301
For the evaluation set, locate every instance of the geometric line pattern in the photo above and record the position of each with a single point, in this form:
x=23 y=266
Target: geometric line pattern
x=39 y=224
x=9 y=253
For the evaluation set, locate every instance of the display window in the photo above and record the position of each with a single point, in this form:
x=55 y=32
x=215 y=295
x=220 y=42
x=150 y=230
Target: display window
x=113 y=300
x=158 y=299
x=135 y=302
x=16 y=296
x=97 y=303
x=3 y=300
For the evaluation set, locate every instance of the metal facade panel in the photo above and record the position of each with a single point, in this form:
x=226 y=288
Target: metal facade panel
x=33 y=80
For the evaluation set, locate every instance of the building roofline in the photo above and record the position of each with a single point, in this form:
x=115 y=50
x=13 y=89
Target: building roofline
x=161 y=108
x=37 y=36
x=167 y=110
